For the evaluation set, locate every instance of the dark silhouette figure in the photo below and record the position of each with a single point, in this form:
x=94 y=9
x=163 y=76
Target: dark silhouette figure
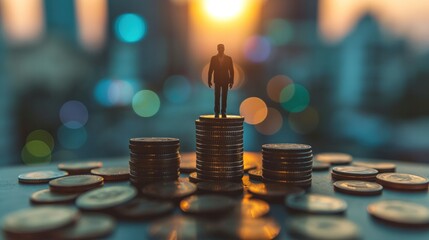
x=223 y=69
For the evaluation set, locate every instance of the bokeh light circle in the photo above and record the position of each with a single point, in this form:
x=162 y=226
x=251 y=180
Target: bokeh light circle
x=36 y=152
x=42 y=135
x=110 y=92
x=71 y=138
x=279 y=32
x=239 y=76
x=276 y=85
x=254 y=110
x=177 y=89
x=130 y=27
x=294 y=98
x=73 y=114
x=272 y=123
x=257 y=49
x=304 y=122
x=146 y=103
x=223 y=9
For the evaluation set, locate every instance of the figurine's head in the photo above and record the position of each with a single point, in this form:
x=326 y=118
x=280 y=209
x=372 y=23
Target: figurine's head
x=220 y=48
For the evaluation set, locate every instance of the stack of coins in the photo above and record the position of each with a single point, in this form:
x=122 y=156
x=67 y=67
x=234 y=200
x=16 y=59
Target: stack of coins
x=354 y=173
x=219 y=148
x=287 y=163
x=154 y=159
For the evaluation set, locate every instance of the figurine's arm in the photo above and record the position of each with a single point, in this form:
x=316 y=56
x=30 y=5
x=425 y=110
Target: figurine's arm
x=231 y=74
x=210 y=73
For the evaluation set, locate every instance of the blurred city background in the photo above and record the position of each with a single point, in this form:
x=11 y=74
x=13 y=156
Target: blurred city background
x=79 y=78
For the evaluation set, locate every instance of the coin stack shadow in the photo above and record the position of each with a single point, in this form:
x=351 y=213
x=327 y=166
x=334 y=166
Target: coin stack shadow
x=154 y=160
x=289 y=164
x=219 y=148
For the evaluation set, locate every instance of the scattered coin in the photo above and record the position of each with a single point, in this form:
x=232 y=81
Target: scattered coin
x=40 y=176
x=105 y=198
x=45 y=196
x=334 y=158
x=112 y=173
x=320 y=166
x=79 y=168
x=89 y=226
x=38 y=222
x=220 y=187
x=400 y=213
x=358 y=187
x=381 y=167
x=402 y=181
x=255 y=174
x=74 y=184
x=169 y=190
x=273 y=191
x=142 y=208
x=179 y=227
x=323 y=228
x=207 y=205
x=250 y=228
x=316 y=204
x=253 y=208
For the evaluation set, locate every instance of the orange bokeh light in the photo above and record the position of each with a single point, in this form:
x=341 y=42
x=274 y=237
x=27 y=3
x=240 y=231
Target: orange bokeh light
x=254 y=110
x=272 y=123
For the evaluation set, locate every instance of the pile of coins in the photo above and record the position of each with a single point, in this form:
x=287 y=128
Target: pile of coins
x=289 y=164
x=354 y=173
x=219 y=148
x=154 y=160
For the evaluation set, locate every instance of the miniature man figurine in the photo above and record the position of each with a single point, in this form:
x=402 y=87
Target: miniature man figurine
x=223 y=69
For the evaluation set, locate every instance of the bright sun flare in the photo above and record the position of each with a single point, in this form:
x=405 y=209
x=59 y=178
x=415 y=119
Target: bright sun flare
x=224 y=9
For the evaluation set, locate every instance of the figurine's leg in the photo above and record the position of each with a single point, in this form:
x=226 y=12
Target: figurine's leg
x=217 y=99
x=224 y=98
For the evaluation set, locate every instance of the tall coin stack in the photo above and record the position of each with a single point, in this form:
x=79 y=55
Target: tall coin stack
x=286 y=163
x=219 y=148
x=154 y=159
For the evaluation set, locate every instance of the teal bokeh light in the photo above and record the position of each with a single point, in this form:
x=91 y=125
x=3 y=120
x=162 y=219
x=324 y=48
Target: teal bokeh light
x=177 y=89
x=294 y=98
x=279 y=32
x=130 y=28
x=146 y=103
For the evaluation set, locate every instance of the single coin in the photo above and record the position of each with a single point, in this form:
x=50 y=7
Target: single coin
x=142 y=208
x=76 y=183
x=40 y=176
x=89 y=226
x=188 y=164
x=154 y=140
x=255 y=174
x=221 y=187
x=286 y=147
x=381 y=167
x=320 y=166
x=207 y=204
x=106 y=197
x=355 y=171
x=179 y=227
x=79 y=168
x=358 y=187
x=323 y=228
x=169 y=190
x=402 y=181
x=273 y=191
x=45 y=196
x=316 y=204
x=253 y=208
x=336 y=176
x=334 y=158
x=400 y=212
x=112 y=173
x=37 y=221
x=250 y=228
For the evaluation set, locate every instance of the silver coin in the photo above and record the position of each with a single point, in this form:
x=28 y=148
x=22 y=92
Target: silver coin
x=45 y=196
x=316 y=204
x=40 y=176
x=106 y=198
x=358 y=187
x=355 y=171
x=400 y=212
x=403 y=181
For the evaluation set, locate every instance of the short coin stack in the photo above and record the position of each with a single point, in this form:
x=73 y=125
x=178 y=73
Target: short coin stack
x=154 y=159
x=219 y=148
x=287 y=163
